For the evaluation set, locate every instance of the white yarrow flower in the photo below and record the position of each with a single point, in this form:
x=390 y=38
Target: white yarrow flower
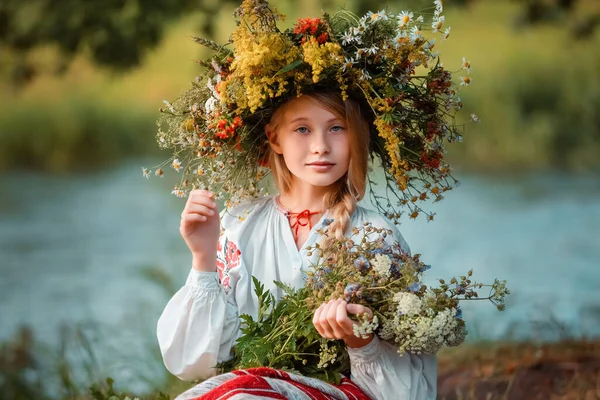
x=381 y=263
x=409 y=304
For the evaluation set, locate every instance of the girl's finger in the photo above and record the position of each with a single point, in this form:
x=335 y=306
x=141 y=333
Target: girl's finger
x=201 y=200
x=326 y=330
x=201 y=193
x=191 y=218
x=358 y=309
x=317 y=320
x=199 y=209
x=345 y=324
x=332 y=315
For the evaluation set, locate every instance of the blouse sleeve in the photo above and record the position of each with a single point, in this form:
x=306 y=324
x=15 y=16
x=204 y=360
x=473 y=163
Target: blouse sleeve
x=199 y=324
x=383 y=374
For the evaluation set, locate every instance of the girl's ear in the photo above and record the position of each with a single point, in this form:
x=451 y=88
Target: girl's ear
x=273 y=142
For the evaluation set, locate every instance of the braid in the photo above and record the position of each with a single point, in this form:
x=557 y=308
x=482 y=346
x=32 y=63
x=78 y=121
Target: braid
x=344 y=204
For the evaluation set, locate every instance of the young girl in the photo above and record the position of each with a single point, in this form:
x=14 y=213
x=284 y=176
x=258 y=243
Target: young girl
x=319 y=148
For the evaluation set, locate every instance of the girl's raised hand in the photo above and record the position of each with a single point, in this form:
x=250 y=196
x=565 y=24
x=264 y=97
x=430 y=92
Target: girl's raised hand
x=200 y=226
x=332 y=321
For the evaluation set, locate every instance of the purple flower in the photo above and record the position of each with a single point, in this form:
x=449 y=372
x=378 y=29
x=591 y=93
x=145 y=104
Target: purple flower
x=459 y=289
x=351 y=290
x=458 y=313
x=415 y=287
x=382 y=250
x=362 y=264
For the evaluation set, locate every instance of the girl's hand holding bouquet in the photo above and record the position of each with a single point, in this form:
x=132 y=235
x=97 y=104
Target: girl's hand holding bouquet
x=200 y=228
x=332 y=321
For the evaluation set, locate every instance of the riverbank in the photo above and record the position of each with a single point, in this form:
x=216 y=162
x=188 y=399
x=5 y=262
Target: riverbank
x=566 y=369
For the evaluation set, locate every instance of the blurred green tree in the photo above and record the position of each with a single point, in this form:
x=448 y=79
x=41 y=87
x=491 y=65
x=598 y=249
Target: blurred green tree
x=117 y=33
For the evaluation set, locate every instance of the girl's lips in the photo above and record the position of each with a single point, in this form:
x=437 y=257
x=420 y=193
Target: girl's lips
x=320 y=167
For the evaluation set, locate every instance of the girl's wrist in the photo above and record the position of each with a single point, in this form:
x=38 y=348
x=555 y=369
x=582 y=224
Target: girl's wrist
x=202 y=263
x=355 y=342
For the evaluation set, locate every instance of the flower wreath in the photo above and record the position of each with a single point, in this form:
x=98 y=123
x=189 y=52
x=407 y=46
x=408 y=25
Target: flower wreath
x=383 y=61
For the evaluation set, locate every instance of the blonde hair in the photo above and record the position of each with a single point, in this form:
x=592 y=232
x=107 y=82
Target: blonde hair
x=341 y=201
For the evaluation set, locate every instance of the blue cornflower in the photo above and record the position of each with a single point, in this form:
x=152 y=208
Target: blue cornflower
x=424 y=268
x=458 y=313
x=415 y=287
x=362 y=264
x=459 y=289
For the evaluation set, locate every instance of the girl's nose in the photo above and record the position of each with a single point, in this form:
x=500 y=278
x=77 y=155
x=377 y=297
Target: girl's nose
x=320 y=144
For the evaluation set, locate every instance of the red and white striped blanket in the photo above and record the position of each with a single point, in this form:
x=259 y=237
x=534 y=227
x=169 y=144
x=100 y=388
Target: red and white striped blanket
x=268 y=383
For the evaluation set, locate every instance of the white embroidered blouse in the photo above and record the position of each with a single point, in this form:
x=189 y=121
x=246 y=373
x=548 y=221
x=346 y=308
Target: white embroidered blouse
x=200 y=323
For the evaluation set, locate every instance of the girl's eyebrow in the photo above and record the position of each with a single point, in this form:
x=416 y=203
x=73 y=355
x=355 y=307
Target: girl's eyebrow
x=306 y=119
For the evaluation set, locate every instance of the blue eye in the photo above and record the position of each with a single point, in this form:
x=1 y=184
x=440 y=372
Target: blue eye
x=302 y=129
x=337 y=128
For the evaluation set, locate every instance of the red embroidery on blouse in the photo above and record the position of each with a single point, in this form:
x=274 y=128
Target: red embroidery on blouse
x=232 y=255
x=228 y=257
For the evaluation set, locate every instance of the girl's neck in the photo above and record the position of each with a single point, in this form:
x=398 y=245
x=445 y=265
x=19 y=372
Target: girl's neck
x=304 y=197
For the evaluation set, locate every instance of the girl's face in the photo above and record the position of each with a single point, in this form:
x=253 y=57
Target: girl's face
x=313 y=141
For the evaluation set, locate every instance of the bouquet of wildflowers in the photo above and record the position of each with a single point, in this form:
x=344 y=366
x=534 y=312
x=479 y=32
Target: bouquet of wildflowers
x=363 y=269
x=384 y=61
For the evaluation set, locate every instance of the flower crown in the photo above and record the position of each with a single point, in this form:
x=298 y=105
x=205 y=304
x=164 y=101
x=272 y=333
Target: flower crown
x=382 y=61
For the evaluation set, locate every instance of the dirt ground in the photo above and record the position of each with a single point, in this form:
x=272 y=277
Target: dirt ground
x=562 y=370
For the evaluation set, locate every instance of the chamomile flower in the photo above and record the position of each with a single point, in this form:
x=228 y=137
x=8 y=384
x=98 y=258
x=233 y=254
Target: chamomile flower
x=348 y=63
x=373 y=50
x=466 y=65
x=420 y=19
x=146 y=172
x=178 y=192
x=347 y=38
x=415 y=34
x=437 y=24
x=159 y=172
x=475 y=118
x=405 y=18
x=429 y=45
x=447 y=33
x=364 y=75
x=378 y=16
x=360 y=53
x=439 y=6
x=465 y=81
x=176 y=164
x=357 y=34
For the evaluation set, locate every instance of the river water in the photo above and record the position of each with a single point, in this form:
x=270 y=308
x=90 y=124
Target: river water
x=73 y=248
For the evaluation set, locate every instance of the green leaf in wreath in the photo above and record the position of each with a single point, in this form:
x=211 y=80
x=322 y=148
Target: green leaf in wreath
x=289 y=67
